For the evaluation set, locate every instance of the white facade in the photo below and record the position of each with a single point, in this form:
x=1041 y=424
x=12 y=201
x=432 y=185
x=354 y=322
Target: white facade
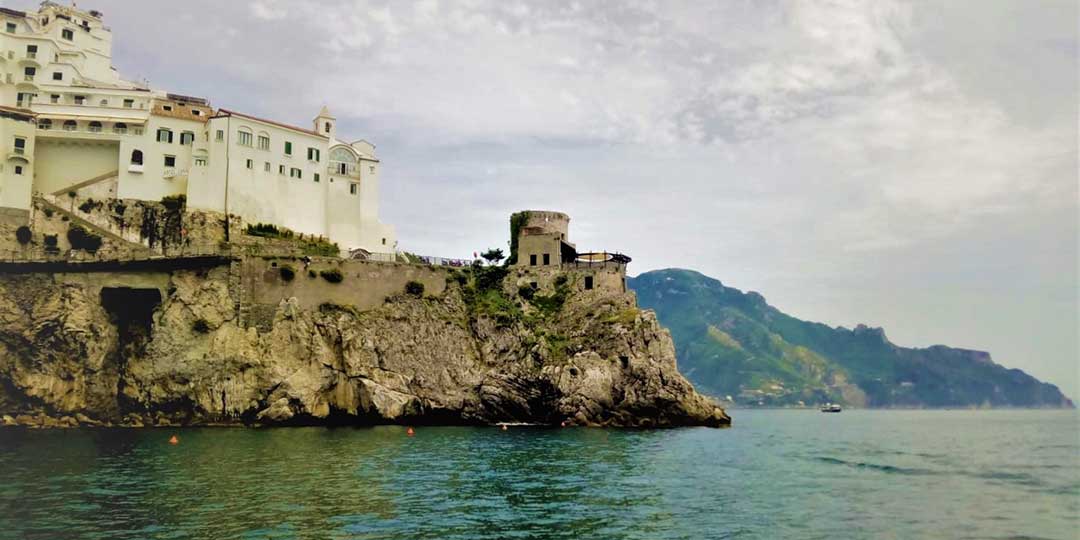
x=96 y=134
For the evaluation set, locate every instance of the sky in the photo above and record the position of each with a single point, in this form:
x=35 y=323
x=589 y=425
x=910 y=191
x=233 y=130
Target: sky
x=908 y=165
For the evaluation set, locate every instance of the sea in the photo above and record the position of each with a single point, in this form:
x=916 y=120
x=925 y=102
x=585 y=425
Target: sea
x=999 y=474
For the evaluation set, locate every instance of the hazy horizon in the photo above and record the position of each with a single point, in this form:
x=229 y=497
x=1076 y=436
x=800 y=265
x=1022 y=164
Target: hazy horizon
x=908 y=165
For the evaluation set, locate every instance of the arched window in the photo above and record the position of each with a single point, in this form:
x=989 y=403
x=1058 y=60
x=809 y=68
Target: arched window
x=120 y=128
x=136 y=157
x=44 y=123
x=70 y=125
x=95 y=127
x=327 y=128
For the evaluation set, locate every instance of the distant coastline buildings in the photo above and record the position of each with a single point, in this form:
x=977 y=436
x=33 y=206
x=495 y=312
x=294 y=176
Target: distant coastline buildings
x=70 y=124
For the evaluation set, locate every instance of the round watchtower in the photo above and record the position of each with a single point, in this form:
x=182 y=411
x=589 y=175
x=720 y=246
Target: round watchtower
x=546 y=222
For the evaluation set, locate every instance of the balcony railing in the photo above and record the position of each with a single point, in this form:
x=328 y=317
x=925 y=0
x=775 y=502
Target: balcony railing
x=28 y=78
x=31 y=54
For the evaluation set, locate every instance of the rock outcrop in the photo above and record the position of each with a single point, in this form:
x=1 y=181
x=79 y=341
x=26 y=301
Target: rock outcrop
x=71 y=354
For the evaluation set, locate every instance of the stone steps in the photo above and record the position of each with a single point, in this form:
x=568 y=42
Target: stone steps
x=106 y=232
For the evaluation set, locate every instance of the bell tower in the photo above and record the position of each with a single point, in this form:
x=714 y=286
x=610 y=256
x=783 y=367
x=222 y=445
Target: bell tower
x=326 y=124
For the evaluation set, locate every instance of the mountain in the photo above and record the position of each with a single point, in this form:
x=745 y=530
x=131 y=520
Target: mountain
x=731 y=343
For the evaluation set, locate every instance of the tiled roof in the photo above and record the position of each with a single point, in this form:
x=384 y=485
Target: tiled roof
x=226 y=112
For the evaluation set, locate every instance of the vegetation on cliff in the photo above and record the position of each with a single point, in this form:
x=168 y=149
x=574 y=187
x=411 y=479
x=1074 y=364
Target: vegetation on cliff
x=731 y=343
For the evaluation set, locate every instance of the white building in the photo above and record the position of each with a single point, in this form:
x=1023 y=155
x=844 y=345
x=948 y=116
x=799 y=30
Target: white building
x=70 y=123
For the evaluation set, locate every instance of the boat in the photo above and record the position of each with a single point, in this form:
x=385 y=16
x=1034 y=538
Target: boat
x=830 y=407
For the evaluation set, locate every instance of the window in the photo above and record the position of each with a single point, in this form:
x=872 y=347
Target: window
x=44 y=123
x=18 y=170
x=136 y=157
x=588 y=283
x=11 y=27
x=547 y=259
x=54 y=98
x=66 y=34
x=20 y=145
x=70 y=125
x=196 y=112
x=164 y=135
x=129 y=103
x=352 y=189
x=264 y=142
x=266 y=167
x=80 y=100
x=57 y=76
x=119 y=128
x=243 y=138
x=250 y=164
x=219 y=136
x=327 y=127
x=281 y=170
x=95 y=127
x=295 y=173
x=288 y=148
x=31 y=51
x=200 y=162
x=167 y=107
x=532 y=260
x=316 y=177
x=372 y=168
x=384 y=241
x=30 y=72
x=187 y=137
x=104 y=103
x=313 y=154
x=170 y=161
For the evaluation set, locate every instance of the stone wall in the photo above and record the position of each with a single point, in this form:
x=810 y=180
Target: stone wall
x=365 y=285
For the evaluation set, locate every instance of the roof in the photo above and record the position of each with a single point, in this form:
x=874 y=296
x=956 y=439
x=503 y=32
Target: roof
x=13 y=12
x=325 y=113
x=226 y=112
x=181 y=110
x=16 y=113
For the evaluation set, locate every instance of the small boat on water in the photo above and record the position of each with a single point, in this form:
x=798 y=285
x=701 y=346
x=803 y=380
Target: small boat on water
x=830 y=407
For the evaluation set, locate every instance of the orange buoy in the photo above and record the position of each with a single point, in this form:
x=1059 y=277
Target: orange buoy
x=410 y=432
x=174 y=440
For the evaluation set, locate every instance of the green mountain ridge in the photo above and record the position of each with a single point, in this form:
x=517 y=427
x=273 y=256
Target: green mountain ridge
x=736 y=346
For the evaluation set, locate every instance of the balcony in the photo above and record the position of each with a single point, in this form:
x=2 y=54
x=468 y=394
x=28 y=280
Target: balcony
x=28 y=78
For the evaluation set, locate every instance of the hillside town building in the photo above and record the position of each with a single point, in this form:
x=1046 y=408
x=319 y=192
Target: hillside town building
x=70 y=124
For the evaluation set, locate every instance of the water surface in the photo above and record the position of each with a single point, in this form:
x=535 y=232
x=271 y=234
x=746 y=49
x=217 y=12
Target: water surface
x=776 y=474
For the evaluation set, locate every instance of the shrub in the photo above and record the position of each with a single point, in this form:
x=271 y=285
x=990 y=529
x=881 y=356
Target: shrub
x=415 y=288
x=48 y=212
x=23 y=235
x=311 y=273
x=50 y=241
x=287 y=272
x=201 y=326
x=333 y=275
x=490 y=277
x=82 y=239
x=174 y=202
x=89 y=205
x=560 y=280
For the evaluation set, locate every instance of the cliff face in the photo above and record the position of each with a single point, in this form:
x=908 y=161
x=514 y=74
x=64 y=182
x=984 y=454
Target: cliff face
x=72 y=352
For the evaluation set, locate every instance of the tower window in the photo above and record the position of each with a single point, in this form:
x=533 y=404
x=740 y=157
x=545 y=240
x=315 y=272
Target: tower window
x=327 y=128
x=532 y=260
x=588 y=283
x=250 y=164
x=11 y=27
x=316 y=177
x=547 y=259
x=266 y=166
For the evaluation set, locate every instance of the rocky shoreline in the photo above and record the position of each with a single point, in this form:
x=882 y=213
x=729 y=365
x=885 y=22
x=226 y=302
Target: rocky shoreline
x=69 y=357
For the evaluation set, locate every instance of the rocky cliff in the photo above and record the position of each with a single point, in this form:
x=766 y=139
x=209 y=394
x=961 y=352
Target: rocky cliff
x=483 y=351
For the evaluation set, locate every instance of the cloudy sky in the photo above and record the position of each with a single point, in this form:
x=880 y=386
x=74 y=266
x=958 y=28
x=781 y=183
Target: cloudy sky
x=905 y=165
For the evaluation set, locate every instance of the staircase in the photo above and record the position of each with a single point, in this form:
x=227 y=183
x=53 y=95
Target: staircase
x=106 y=230
x=87 y=183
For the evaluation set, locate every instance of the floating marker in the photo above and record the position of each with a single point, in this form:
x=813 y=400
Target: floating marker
x=410 y=432
x=504 y=427
x=562 y=424
x=174 y=440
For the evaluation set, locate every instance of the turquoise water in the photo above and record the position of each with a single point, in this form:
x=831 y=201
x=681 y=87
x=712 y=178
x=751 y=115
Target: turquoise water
x=776 y=474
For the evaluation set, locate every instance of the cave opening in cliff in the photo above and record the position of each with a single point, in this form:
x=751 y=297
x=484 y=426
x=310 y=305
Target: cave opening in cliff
x=131 y=310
